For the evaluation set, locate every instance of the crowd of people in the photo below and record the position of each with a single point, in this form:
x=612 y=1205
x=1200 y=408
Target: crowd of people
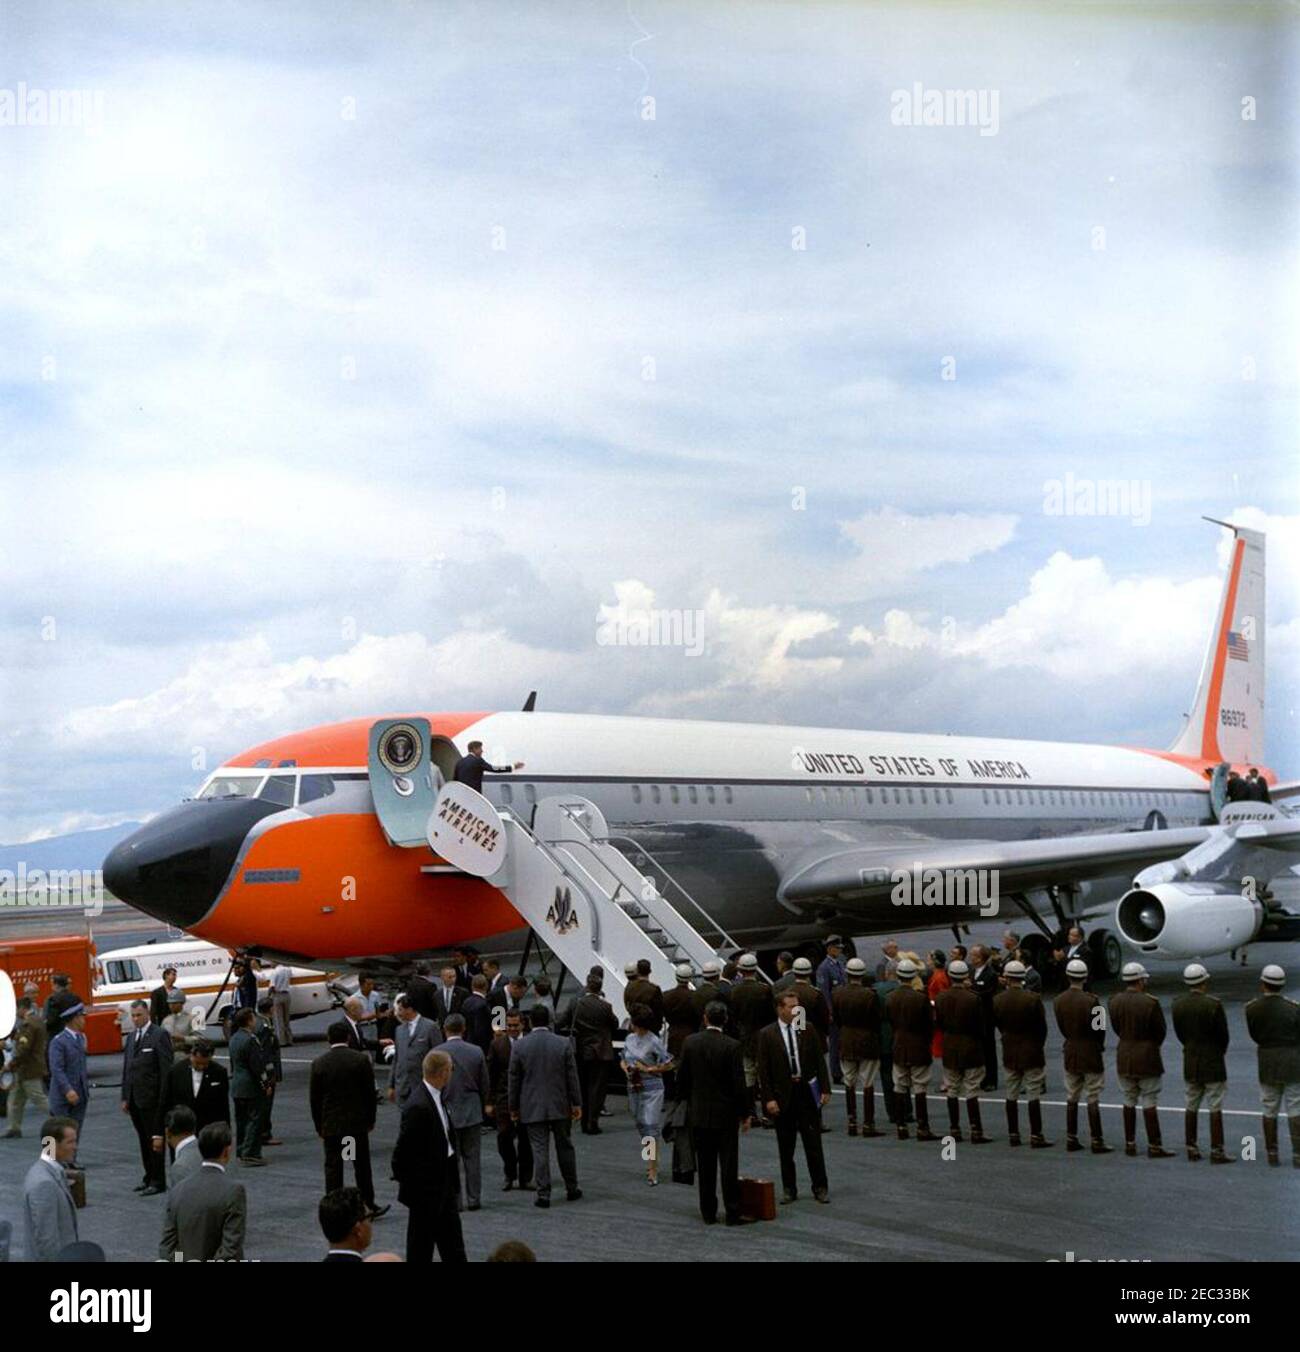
x=467 y=1052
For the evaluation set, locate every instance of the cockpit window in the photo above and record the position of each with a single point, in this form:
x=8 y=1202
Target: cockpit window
x=279 y=789
x=314 y=787
x=233 y=786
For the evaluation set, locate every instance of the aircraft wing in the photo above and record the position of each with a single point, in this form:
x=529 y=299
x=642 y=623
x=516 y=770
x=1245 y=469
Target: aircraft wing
x=845 y=874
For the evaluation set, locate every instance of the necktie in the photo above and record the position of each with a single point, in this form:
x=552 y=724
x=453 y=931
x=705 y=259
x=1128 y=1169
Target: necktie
x=138 y=1032
x=794 y=1055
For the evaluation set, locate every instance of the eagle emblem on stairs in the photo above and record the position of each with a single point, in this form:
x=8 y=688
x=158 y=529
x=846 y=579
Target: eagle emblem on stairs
x=561 y=916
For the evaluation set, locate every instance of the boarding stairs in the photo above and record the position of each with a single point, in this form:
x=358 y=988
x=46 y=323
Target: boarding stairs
x=591 y=905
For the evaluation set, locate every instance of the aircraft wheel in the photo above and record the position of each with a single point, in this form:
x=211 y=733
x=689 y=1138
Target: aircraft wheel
x=1107 y=954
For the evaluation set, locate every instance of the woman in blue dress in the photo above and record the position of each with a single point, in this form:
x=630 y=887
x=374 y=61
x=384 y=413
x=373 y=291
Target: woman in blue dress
x=645 y=1061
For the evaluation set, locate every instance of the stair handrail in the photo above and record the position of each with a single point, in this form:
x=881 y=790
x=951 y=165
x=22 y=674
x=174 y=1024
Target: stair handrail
x=589 y=842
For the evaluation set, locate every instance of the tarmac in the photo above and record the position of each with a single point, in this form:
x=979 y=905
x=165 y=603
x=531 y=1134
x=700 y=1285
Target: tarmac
x=891 y=1200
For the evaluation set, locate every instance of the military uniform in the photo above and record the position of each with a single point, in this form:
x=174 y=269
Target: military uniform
x=1082 y=1022
x=1274 y=1023
x=1202 y=1027
x=1021 y=1019
x=857 y=1016
x=683 y=1012
x=912 y=1022
x=959 y=1016
x=1139 y=1023
x=753 y=1007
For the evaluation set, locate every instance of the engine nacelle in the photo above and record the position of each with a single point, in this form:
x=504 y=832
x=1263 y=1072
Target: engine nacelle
x=1187 y=920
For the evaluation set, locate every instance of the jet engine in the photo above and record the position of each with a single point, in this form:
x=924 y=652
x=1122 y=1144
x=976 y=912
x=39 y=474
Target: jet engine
x=1187 y=920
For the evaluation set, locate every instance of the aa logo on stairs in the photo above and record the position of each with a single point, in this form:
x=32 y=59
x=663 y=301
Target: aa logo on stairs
x=561 y=916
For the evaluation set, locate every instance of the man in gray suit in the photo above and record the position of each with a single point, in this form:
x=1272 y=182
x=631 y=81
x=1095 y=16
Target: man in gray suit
x=546 y=1097
x=182 y=1142
x=415 y=1037
x=464 y=1098
x=49 y=1215
x=207 y=1213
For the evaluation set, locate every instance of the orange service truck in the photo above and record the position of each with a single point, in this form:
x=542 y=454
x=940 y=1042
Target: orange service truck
x=38 y=959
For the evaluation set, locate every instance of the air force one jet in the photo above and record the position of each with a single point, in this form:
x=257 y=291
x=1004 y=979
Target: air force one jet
x=679 y=841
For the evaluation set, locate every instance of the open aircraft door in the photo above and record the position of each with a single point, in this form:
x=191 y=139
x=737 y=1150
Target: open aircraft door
x=408 y=764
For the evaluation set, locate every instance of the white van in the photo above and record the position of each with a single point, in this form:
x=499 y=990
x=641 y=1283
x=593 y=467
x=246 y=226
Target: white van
x=127 y=974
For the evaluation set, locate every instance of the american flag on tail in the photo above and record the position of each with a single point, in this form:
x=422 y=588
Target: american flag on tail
x=1238 y=647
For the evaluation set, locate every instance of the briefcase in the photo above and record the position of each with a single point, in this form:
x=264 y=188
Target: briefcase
x=758 y=1199
x=77 y=1186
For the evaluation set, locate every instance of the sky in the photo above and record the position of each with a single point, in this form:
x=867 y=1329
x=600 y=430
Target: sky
x=385 y=357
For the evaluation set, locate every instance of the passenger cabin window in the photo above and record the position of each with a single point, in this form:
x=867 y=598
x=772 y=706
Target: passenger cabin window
x=726 y=794
x=655 y=795
x=507 y=794
x=636 y=793
x=709 y=793
x=693 y=794
x=124 y=969
x=278 y=789
x=675 y=794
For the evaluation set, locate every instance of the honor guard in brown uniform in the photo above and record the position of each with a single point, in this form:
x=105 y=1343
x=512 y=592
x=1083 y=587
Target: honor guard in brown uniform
x=857 y=1016
x=1082 y=1021
x=814 y=1004
x=1202 y=1028
x=1021 y=1019
x=681 y=1010
x=959 y=1016
x=1139 y=1023
x=912 y=1020
x=1274 y=1023
x=752 y=1009
x=709 y=988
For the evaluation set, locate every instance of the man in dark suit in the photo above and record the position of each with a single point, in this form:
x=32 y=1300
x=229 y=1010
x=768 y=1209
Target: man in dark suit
x=512 y=1137
x=158 y=999
x=424 y=1164
x=200 y=1084
x=477 y=1014
x=345 y=1220
x=341 y=1088
x=182 y=1140
x=354 y=1012
x=415 y=1037
x=752 y=1009
x=984 y=982
x=421 y=993
x=207 y=1213
x=448 y=996
x=711 y=1082
x=793 y=1087
x=642 y=991
x=496 y=979
x=471 y=768
x=546 y=1097
x=1202 y=1028
x=146 y=1059
x=250 y=1087
x=593 y=1026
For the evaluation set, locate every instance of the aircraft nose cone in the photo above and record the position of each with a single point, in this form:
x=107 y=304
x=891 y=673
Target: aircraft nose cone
x=176 y=866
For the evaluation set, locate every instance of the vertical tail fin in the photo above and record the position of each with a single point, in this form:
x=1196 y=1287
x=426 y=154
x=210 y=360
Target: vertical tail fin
x=1227 y=718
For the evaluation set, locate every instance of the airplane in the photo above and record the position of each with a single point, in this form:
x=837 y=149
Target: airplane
x=351 y=845
x=203 y=973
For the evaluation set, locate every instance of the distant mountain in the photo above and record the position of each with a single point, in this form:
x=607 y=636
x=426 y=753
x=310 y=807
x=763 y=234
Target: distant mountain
x=76 y=850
